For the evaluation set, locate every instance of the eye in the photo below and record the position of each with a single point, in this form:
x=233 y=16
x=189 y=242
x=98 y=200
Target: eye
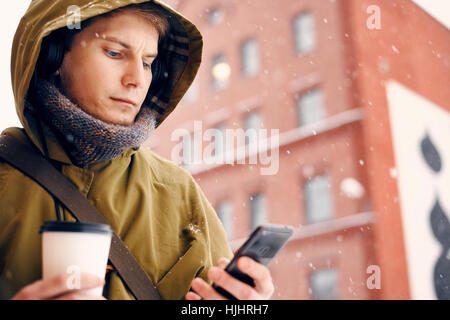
x=113 y=54
x=147 y=66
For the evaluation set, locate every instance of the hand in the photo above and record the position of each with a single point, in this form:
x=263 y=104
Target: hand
x=261 y=276
x=56 y=288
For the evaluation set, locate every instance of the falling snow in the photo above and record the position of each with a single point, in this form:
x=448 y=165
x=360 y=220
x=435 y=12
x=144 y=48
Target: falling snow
x=193 y=228
x=352 y=188
x=394 y=48
x=393 y=173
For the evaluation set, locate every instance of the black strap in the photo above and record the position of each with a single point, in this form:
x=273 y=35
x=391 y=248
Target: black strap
x=35 y=166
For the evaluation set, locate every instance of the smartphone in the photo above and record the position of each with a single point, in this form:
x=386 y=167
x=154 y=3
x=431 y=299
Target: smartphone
x=262 y=246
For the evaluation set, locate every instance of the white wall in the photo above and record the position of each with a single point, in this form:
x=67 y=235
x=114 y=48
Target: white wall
x=439 y=9
x=413 y=118
x=10 y=16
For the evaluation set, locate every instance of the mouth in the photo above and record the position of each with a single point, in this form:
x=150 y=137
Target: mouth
x=125 y=102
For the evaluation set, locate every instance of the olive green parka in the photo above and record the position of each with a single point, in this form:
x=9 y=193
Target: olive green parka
x=152 y=204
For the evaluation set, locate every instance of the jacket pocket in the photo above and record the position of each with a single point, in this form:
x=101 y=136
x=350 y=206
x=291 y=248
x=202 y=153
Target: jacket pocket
x=177 y=281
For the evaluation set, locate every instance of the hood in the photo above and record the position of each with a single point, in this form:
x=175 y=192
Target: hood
x=43 y=16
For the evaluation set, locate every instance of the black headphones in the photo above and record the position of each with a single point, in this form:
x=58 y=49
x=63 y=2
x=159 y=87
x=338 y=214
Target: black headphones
x=55 y=45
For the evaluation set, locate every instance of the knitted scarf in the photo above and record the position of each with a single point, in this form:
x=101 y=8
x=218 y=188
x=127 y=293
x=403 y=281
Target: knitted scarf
x=87 y=139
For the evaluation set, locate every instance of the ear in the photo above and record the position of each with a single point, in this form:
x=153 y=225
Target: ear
x=56 y=73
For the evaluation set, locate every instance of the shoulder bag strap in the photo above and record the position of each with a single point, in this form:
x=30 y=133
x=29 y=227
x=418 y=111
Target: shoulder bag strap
x=35 y=166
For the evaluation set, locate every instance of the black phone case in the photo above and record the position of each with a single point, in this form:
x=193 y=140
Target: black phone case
x=262 y=246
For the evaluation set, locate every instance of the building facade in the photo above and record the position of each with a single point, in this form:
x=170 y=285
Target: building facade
x=295 y=117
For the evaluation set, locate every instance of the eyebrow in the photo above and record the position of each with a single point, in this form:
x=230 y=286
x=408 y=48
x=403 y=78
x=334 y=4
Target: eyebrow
x=125 y=45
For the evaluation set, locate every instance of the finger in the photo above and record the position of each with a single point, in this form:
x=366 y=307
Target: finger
x=237 y=288
x=222 y=263
x=193 y=296
x=260 y=274
x=204 y=290
x=58 y=285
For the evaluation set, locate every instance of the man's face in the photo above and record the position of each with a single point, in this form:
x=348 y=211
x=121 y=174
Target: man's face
x=110 y=60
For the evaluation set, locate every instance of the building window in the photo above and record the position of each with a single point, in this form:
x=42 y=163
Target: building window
x=310 y=107
x=258 y=210
x=305 y=34
x=324 y=284
x=318 y=198
x=215 y=16
x=250 y=58
x=253 y=123
x=225 y=214
x=220 y=72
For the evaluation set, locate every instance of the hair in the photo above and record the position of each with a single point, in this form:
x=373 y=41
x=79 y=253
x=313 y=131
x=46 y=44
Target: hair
x=56 y=44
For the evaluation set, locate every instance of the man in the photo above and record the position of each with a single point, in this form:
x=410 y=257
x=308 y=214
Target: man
x=87 y=100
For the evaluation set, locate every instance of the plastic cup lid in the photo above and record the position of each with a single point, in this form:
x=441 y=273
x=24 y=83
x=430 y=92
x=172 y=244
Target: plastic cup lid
x=66 y=226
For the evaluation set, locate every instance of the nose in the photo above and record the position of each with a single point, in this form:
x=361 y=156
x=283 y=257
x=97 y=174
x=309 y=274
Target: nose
x=134 y=74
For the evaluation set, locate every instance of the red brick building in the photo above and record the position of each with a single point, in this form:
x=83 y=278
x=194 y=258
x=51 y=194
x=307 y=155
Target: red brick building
x=316 y=71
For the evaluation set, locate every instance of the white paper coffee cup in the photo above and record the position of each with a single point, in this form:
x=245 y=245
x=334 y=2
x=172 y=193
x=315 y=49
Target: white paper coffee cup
x=75 y=248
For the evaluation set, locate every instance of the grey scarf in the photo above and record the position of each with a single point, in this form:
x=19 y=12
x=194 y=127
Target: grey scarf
x=87 y=139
